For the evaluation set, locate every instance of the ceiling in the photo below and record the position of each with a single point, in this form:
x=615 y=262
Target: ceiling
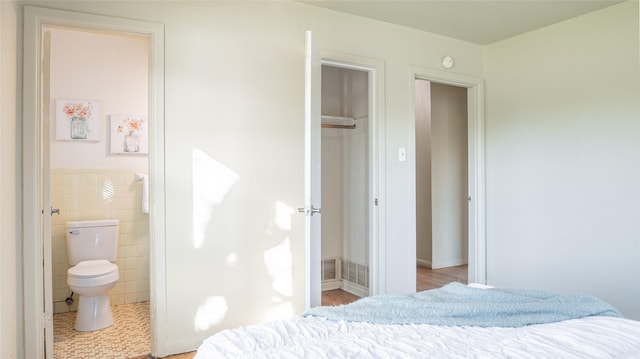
x=478 y=21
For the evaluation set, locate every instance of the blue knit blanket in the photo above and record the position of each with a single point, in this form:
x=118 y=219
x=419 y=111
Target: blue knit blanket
x=456 y=304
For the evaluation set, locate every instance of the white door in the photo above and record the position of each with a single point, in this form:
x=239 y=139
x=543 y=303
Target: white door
x=312 y=175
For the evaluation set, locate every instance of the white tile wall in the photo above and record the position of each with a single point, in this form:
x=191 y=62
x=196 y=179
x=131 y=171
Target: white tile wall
x=87 y=194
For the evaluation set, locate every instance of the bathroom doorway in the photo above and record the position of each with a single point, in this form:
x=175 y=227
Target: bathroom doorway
x=39 y=132
x=100 y=176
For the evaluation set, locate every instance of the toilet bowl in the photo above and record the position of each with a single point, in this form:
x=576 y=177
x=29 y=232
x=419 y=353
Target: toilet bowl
x=91 y=281
x=92 y=246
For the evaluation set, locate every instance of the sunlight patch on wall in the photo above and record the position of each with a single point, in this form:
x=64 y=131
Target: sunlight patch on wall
x=211 y=182
x=210 y=313
x=231 y=259
x=279 y=312
x=282 y=217
x=279 y=262
x=108 y=190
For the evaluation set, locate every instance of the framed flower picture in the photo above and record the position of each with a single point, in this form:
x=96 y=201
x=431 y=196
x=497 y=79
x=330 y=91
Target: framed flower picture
x=77 y=120
x=129 y=135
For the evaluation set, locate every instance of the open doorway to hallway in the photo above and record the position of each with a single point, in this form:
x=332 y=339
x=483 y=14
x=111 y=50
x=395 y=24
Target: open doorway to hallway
x=442 y=238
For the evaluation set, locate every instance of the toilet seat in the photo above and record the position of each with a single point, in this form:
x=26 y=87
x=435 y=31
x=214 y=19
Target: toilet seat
x=92 y=273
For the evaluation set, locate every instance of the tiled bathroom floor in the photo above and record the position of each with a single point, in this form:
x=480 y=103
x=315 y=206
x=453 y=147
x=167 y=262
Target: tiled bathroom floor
x=128 y=337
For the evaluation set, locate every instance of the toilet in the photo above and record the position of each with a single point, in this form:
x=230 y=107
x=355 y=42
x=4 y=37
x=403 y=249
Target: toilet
x=92 y=246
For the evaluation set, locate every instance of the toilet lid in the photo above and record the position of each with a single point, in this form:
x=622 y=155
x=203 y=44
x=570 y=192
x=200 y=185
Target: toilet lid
x=92 y=268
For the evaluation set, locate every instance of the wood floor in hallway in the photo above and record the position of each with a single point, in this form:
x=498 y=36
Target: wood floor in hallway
x=425 y=279
x=435 y=278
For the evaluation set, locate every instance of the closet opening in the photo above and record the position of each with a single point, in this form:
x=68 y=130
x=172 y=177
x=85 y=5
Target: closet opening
x=345 y=162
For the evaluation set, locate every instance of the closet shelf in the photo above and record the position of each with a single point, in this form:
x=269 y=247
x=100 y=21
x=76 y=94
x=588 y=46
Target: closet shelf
x=332 y=125
x=339 y=118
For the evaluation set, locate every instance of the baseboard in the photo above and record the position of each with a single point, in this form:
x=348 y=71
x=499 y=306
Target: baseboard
x=449 y=263
x=331 y=284
x=355 y=289
x=423 y=263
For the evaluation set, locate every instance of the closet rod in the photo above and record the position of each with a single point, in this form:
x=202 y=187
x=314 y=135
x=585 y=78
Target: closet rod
x=331 y=125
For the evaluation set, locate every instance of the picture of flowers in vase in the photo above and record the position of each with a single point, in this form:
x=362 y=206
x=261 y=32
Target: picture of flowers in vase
x=77 y=120
x=129 y=134
x=79 y=113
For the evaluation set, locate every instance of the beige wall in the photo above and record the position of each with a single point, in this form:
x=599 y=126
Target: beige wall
x=88 y=194
x=10 y=306
x=563 y=158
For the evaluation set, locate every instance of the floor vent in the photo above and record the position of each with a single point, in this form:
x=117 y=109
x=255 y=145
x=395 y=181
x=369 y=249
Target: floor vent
x=355 y=273
x=329 y=269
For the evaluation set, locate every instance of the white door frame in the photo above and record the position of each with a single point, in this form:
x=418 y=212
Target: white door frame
x=36 y=316
x=476 y=162
x=377 y=252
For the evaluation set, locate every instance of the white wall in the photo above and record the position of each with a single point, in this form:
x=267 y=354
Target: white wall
x=233 y=106
x=9 y=299
x=563 y=158
x=112 y=70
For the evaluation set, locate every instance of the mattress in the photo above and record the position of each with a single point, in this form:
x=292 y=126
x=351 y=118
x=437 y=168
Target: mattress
x=455 y=321
x=315 y=337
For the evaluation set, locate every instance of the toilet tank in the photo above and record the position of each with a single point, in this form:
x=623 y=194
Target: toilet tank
x=89 y=240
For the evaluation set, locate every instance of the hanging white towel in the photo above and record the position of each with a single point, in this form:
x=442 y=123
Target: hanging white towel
x=145 y=194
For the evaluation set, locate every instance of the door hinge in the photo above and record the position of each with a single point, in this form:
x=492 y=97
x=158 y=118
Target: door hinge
x=47 y=320
x=375 y=202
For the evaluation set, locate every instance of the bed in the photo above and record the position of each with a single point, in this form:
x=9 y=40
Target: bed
x=455 y=321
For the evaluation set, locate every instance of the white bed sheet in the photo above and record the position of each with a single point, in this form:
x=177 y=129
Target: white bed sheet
x=312 y=337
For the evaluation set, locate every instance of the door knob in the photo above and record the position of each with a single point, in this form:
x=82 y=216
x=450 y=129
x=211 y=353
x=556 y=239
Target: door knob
x=55 y=210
